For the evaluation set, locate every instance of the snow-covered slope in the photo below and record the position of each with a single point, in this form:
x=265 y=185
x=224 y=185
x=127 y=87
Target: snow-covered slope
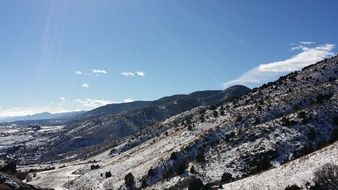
x=269 y=126
x=299 y=172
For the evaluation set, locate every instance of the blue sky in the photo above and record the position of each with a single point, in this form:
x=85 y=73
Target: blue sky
x=63 y=55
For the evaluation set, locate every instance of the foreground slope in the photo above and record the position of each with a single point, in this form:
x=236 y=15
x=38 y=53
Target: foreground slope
x=298 y=172
x=268 y=126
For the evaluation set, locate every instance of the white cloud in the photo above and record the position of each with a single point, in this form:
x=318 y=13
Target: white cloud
x=85 y=85
x=307 y=42
x=127 y=74
x=62 y=98
x=140 y=73
x=127 y=100
x=92 y=103
x=78 y=73
x=98 y=72
x=270 y=71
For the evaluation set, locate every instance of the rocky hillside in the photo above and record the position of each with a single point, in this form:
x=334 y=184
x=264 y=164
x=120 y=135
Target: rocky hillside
x=113 y=122
x=267 y=127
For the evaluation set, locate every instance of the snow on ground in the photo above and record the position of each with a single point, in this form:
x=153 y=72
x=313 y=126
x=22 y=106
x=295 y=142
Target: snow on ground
x=296 y=172
x=139 y=159
x=57 y=178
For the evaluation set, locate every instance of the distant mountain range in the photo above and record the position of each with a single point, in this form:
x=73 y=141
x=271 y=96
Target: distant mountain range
x=42 y=116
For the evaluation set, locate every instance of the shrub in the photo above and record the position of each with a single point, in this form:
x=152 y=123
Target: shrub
x=207 y=186
x=226 y=178
x=195 y=184
x=311 y=135
x=260 y=162
x=215 y=113
x=169 y=172
x=190 y=128
x=182 y=166
x=334 y=135
x=302 y=115
x=202 y=119
x=29 y=178
x=213 y=107
x=108 y=174
x=188 y=121
x=173 y=156
x=200 y=157
x=257 y=121
x=335 y=120
x=22 y=175
x=326 y=177
x=239 y=118
x=144 y=183
x=151 y=172
x=321 y=98
x=93 y=167
x=192 y=170
x=129 y=180
x=292 y=187
x=287 y=122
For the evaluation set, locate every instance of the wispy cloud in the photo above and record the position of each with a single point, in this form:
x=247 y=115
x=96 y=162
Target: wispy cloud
x=85 y=85
x=132 y=74
x=93 y=103
x=140 y=73
x=270 y=71
x=127 y=74
x=93 y=72
x=78 y=73
x=98 y=72
x=307 y=42
x=63 y=99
